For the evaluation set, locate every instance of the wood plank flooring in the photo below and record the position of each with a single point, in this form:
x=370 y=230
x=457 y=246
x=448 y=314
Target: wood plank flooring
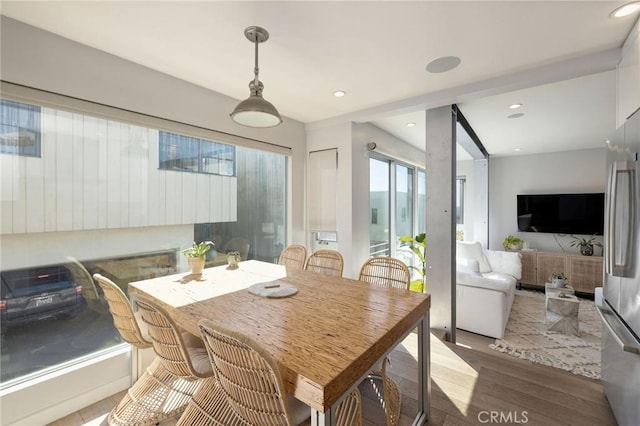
x=471 y=385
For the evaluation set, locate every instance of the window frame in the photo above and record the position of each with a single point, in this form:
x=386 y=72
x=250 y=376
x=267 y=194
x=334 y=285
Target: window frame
x=166 y=138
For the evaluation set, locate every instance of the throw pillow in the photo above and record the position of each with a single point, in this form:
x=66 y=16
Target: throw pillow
x=473 y=250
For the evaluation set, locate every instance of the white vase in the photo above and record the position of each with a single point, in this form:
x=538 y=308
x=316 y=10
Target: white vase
x=557 y=282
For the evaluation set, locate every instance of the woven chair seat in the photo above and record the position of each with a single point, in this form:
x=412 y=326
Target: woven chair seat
x=157 y=395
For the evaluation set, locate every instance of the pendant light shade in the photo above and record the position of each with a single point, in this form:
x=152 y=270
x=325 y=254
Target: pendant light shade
x=255 y=111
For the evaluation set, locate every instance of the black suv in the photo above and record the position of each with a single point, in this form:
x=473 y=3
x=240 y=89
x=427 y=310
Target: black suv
x=38 y=293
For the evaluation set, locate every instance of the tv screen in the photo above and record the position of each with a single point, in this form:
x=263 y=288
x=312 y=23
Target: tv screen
x=561 y=213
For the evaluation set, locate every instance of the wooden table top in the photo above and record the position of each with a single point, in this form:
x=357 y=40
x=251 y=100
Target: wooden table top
x=324 y=338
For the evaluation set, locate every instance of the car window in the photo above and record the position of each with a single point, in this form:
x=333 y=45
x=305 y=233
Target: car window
x=25 y=282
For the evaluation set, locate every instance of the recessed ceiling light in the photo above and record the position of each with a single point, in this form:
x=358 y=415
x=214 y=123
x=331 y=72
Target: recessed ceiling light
x=515 y=106
x=412 y=124
x=516 y=149
x=443 y=64
x=626 y=9
x=607 y=141
x=339 y=93
x=518 y=115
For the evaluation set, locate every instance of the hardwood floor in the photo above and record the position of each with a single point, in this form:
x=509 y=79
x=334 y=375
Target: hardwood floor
x=471 y=385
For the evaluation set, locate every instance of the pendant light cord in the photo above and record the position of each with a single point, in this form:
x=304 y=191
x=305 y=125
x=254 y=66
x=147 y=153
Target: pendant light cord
x=256 y=70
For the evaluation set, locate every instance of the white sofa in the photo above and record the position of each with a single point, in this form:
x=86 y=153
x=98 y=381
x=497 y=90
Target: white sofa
x=485 y=287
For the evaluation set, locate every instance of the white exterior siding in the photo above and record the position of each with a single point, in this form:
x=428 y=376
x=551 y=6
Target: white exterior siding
x=97 y=174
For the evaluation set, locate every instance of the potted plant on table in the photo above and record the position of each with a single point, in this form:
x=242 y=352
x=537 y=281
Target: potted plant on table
x=417 y=245
x=585 y=244
x=558 y=279
x=233 y=257
x=196 y=255
x=511 y=243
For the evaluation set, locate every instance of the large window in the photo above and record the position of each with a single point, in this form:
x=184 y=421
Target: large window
x=261 y=219
x=398 y=207
x=94 y=200
x=19 y=129
x=404 y=200
x=379 y=201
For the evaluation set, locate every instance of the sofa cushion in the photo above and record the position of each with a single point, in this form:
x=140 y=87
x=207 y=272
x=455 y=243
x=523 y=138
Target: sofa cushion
x=505 y=262
x=473 y=250
x=490 y=280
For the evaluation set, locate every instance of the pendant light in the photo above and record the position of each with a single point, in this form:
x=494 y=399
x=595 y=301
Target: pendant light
x=255 y=111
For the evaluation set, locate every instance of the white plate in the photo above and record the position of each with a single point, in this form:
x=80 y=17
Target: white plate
x=273 y=289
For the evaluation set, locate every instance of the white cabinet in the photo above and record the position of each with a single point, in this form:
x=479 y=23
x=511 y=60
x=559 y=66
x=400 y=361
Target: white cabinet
x=628 y=98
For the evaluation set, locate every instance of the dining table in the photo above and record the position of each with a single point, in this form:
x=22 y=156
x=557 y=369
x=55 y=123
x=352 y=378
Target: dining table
x=326 y=333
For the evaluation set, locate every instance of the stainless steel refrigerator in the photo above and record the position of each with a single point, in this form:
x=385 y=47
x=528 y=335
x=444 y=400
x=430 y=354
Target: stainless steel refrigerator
x=621 y=308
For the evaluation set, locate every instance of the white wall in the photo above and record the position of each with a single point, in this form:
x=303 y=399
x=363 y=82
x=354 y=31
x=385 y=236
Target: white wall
x=102 y=174
x=559 y=172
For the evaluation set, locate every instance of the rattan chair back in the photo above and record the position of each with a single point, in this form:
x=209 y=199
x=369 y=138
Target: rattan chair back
x=293 y=257
x=328 y=262
x=167 y=340
x=252 y=383
x=385 y=272
x=124 y=318
x=248 y=375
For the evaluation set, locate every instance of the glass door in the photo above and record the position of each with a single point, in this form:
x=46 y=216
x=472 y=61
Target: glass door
x=379 y=202
x=404 y=202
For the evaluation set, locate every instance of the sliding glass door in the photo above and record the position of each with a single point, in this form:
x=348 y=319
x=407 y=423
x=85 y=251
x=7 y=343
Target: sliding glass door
x=404 y=201
x=397 y=208
x=379 y=202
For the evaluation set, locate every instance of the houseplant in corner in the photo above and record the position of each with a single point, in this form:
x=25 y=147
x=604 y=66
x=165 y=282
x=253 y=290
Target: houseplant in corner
x=511 y=243
x=585 y=244
x=417 y=245
x=196 y=255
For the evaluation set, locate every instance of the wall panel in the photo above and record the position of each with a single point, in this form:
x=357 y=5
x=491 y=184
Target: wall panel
x=89 y=167
x=35 y=213
x=102 y=174
x=64 y=172
x=48 y=151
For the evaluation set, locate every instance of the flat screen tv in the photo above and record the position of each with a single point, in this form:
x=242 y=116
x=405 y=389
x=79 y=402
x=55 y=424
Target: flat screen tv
x=561 y=213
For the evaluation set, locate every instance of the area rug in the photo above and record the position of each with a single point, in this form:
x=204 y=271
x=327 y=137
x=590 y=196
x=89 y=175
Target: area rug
x=526 y=336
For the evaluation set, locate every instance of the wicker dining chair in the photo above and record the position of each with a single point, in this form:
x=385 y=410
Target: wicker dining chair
x=158 y=394
x=393 y=273
x=250 y=382
x=293 y=257
x=385 y=272
x=127 y=323
x=328 y=262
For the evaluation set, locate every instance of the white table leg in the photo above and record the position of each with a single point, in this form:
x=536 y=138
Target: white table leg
x=424 y=371
x=323 y=419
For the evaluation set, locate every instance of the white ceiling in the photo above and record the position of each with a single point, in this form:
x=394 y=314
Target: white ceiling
x=376 y=52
